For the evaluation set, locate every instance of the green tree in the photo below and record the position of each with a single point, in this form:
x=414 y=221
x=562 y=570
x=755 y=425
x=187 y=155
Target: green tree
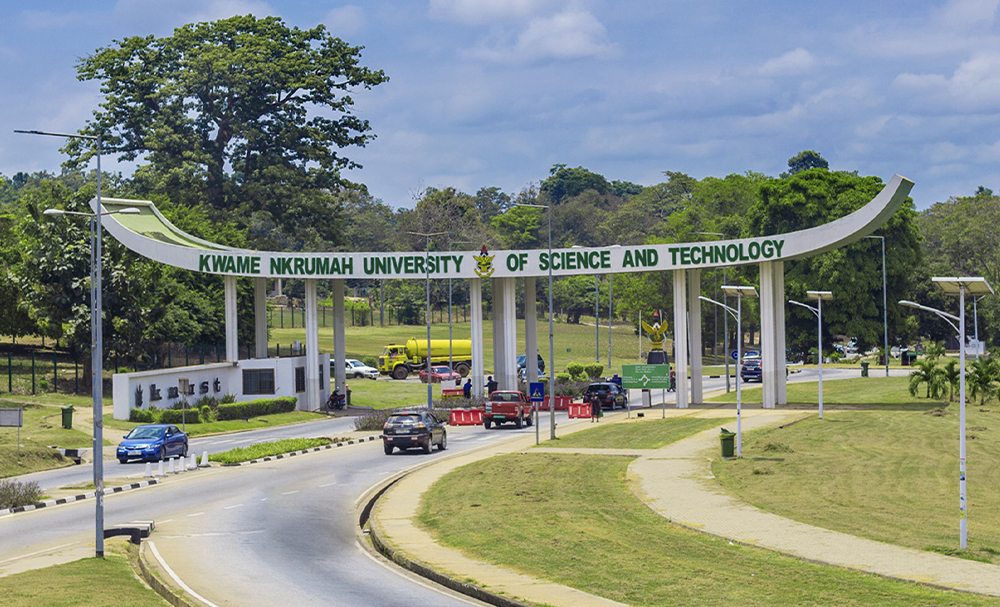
x=982 y=377
x=246 y=114
x=853 y=273
x=927 y=372
x=951 y=375
x=573 y=296
x=563 y=183
x=805 y=160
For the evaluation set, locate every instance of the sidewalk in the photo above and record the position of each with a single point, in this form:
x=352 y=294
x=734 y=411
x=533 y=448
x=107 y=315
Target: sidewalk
x=675 y=481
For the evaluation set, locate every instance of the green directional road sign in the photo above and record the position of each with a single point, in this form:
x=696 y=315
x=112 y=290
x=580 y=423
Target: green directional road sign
x=646 y=376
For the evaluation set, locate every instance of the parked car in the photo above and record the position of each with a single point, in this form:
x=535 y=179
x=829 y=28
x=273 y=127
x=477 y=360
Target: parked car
x=153 y=442
x=413 y=429
x=439 y=374
x=751 y=354
x=522 y=362
x=751 y=370
x=522 y=375
x=610 y=395
x=356 y=369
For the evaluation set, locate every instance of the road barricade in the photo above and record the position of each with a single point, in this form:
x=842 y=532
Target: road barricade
x=563 y=403
x=446 y=394
x=579 y=410
x=465 y=417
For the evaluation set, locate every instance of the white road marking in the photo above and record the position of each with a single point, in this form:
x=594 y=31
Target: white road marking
x=327 y=485
x=231 y=507
x=173 y=576
x=169 y=520
x=412 y=579
x=289 y=492
x=195 y=514
x=53 y=549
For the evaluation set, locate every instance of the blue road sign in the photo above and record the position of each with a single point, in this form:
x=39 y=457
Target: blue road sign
x=734 y=355
x=537 y=391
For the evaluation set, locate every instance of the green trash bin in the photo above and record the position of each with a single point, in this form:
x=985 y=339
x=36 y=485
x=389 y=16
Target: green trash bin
x=728 y=440
x=67 y=417
x=864 y=369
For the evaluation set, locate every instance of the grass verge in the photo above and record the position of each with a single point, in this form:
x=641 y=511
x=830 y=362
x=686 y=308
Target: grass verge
x=638 y=433
x=887 y=475
x=885 y=392
x=107 y=582
x=285 y=445
x=571 y=519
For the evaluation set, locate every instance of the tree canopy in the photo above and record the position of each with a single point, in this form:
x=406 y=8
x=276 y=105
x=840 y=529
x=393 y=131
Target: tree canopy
x=247 y=115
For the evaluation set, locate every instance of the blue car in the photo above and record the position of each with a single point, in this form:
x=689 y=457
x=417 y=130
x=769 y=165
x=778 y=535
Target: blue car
x=153 y=442
x=751 y=370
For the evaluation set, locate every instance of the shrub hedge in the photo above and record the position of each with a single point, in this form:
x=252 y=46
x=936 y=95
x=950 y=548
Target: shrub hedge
x=255 y=408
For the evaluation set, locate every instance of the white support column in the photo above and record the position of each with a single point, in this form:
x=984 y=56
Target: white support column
x=260 y=317
x=781 y=363
x=339 y=342
x=530 y=326
x=312 y=347
x=680 y=338
x=478 y=350
x=232 y=343
x=767 y=332
x=694 y=334
x=504 y=333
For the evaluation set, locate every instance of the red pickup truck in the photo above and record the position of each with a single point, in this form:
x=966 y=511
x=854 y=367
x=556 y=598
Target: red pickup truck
x=507 y=406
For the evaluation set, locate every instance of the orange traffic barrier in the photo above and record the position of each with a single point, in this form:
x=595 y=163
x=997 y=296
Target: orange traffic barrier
x=578 y=410
x=465 y=417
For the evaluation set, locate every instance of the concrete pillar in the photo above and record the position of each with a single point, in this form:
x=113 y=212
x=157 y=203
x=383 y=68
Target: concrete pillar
x=781 y=363
x=694 y=334
x=478 y=350
x=530 y=330
x=232 y=342
x=339 y=342
x=504 y=334
x=767 y=333
x=312 y=347
x=260 y=317
x=680 y=337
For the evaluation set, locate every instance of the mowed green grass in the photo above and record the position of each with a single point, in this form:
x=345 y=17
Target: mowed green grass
x=638 y=433
x=890 y=392
x=890 y=475
x=571 y=519
x=42 y=427
x=94 y=582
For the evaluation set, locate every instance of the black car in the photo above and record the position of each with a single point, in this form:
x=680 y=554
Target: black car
x=610 y=394
x=413 y=429
x=751 y=370
x=522 y=362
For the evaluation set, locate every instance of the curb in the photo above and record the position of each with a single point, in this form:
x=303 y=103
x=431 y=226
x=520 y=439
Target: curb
x=271 y=458
x=76 y=498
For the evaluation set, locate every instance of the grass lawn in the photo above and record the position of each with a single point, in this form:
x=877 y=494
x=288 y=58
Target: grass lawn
x=42 y=427
x=638 y=433
x=572 y=519
x=885 y=474
x=107 y=582
x=889 y=392
x=287 y=445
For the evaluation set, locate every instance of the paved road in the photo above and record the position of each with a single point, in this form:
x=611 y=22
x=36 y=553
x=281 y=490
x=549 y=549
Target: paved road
x=281 y=532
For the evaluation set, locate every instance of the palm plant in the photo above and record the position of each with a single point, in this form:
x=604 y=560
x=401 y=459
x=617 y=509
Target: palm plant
x=927 y=372
x=951 y=374
x=935 y=350
x=981 y=378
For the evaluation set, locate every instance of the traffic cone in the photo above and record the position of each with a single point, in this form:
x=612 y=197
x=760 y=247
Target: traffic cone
x=160 y=473
x=149 y=470
x=204 y=459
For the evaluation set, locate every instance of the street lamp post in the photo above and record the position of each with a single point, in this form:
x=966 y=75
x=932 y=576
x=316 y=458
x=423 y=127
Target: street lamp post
x=96 y=336
x=885 y=307
x=552 y=349
x=427 y=272
x=971 y=285
x=819 y=296
x=611 y=284
x=739 y=292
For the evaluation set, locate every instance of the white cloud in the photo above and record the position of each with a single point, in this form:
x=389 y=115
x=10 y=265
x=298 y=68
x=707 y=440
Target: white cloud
x=139 y=16
x=793 y=63
x=345 y=20
x=974 y=86
x=967 y=14
x=567 y=35
x=478 y=12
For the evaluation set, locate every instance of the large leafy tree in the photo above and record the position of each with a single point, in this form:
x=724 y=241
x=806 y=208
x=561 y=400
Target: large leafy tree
x=247 y=115
x=853 y=273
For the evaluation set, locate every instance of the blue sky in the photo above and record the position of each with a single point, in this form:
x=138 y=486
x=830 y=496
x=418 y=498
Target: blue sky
x=494 y=92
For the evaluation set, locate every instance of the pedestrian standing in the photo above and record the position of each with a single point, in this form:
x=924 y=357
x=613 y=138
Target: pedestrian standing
x=491 y=386
x=595 y=408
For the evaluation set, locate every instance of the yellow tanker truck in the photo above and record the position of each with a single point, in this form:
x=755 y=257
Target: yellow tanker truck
x=398 y=361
